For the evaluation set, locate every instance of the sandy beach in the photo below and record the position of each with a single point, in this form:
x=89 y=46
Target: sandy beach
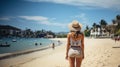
x=98 y=53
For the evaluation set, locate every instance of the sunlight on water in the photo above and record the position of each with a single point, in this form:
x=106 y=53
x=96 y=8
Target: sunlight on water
x=23 y=44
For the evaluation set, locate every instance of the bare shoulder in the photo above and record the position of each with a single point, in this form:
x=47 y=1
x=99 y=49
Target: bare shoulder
x=81 y=33
x=69 y=33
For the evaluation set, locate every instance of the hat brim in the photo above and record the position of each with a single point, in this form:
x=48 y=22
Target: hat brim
x=74 y=29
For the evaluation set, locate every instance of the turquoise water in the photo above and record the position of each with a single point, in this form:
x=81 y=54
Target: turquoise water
x=23 y=44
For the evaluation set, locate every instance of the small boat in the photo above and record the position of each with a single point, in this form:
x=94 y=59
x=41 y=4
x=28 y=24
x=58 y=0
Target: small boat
x=14 y=40
x=8 y=45
x=4 y=45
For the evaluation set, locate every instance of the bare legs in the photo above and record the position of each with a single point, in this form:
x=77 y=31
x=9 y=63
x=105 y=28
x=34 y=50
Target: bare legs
x=72 y=62
x=78 y=62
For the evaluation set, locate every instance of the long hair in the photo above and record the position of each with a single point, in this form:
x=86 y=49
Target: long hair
x=76 y=33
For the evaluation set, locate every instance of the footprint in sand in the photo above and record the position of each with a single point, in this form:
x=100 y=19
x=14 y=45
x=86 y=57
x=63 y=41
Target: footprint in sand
x=118 y=65
x=108 y=56
x=103 y=65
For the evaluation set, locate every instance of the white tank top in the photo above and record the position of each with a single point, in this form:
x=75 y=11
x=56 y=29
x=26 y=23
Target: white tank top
x=75 y=43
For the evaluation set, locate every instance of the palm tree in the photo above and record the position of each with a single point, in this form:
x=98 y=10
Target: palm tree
x=103 y=23
x=117 y=20
x=113 y=21
x=87 y=28
x=87 y=31
x=118 y=24
x=94 y=25
x=118 y=17
x=97 y=26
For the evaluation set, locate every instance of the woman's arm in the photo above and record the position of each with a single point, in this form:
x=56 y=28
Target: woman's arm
x=68 y=45
x=83 y=45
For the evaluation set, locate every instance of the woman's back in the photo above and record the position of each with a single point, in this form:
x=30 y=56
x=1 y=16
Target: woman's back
x=75 y=40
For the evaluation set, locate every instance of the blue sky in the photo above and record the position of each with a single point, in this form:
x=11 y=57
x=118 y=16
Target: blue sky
x=55 y=15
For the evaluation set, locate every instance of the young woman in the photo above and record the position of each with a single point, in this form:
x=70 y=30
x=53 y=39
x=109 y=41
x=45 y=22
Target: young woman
x=75 y=45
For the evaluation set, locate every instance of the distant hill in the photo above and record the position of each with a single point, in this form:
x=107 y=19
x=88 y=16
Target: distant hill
x=60 y=33
x=8 y=27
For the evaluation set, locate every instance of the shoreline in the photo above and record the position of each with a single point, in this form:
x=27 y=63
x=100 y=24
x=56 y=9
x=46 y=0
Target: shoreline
x=25 y=58
x=99 y=51
x=18 y=53
x=14 y=54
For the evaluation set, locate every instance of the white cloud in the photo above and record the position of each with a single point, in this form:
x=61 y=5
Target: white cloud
x=34 y=18
x=86 y=3
x=52 y=23
x=5 y=18
x=43 y=20
x=82 y=17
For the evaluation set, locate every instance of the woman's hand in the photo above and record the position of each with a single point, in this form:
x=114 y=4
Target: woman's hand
x=83 y=57
x=66 y=57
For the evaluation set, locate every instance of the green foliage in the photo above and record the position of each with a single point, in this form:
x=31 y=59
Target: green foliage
x=103 y=23
x=117 y=28
x=87 y=33
x=118 y=32
x=61 y=35
x=118 y=17
x=94 y=25
x=87 y=28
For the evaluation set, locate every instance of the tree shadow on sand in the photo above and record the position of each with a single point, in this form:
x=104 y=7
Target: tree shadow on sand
x=116 y=47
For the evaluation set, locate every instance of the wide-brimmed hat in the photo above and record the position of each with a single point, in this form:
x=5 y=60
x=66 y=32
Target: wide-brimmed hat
x=75 y=26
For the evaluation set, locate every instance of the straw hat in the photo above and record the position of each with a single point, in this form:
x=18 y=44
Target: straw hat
x=75 y=26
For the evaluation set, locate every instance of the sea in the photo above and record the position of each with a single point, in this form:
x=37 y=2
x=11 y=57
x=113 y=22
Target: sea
x=21 y=44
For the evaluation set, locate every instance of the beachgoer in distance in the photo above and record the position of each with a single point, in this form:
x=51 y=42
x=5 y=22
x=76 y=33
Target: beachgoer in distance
x=75 y=45
x=53 y=45
x=59 y=42
x=40 y=43
x=36 y=44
